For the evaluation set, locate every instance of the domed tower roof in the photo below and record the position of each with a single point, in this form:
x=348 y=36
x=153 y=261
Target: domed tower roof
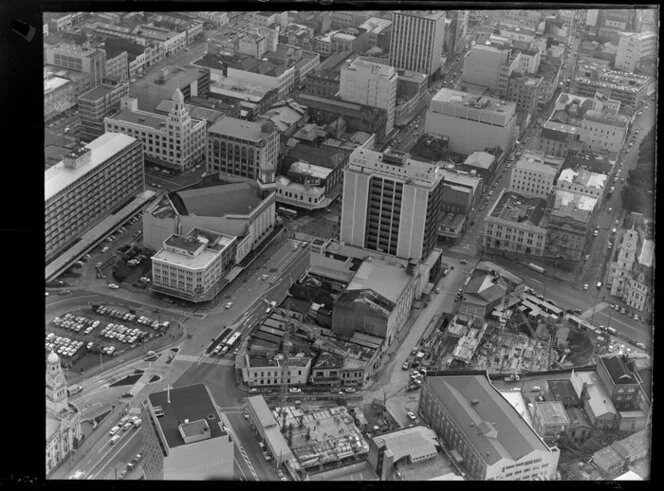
x=178 y=98
x=53 y=357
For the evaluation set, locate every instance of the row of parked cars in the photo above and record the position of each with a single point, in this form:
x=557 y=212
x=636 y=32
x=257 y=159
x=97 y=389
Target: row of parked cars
x=122 y=333
x=63 y=346
x=127 y=316
x=76 y=323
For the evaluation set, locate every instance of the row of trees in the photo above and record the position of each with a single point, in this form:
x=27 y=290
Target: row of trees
x=641 y=180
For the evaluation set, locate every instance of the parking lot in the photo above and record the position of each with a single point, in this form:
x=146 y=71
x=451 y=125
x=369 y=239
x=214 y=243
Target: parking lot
x=80 y=337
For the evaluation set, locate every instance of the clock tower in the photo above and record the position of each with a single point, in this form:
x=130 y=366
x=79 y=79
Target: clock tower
x=56 y=385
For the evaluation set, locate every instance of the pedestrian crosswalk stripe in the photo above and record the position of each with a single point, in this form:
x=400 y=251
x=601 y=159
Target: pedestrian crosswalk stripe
x=205 y=359
x=135 y=411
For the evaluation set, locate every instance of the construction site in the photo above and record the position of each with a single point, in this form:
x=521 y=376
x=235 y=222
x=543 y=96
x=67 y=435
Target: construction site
x=320 y=438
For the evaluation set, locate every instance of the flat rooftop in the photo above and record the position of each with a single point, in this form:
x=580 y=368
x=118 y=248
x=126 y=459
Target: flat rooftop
x=102 y=149
x=142 y=118
x=572 y=204
x=394 y=164
x=239 y=128
x=311 y=170
x=516 y=208
x=219 y=201
x=53 y=83
x=193 y=403
x=483 y=103
x=176 y=77
x=380 y=69
x=583 y=178
x=385 y=279
x=97 y=93
x=552 y=412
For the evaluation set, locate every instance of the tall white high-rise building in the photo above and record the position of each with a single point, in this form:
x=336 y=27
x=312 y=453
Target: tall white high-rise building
x=391 y=204
x=417 y=40
x=633 y=47
x=372 y=84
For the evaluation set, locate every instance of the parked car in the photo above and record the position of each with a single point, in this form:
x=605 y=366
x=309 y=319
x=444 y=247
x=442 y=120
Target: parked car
x=294 y=390
x=585 y=287
x=411 y=416
x=228 y=305
x=113 y=286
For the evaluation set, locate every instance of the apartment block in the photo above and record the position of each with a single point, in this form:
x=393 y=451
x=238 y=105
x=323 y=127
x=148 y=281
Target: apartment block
x=243 y=148
x=371 y=84
x=176 y=141
x=185 y=437
x=390 y=204
x=417 y=40
x=89 y=183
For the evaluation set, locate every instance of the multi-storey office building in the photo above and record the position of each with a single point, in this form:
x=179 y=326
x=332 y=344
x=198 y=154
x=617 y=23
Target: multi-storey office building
x=494 y=441
x=192 y=266
x=243 y=148
x=417 y=40
x=627 y=88
x=634 y=47
x=92 y=61
x=582 y=182
x=391 y=204
x=359 y=117
x=622 y=386
x=58 y=96
x=570 y=221
x=532 y=177
x=118 y=65
x=604 y=131
x=371 y=84
x=184 y=436
x=525 y=92
x=177 y=141
x=87 y=185
x=516 y=224
x=159 y=85
x=482 y=65
x=98 y=103
x=455 y=114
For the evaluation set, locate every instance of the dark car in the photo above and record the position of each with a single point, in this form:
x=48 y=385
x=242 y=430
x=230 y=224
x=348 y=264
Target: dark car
x=463 y=261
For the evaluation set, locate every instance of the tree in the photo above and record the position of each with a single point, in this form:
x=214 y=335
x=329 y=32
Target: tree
x=632 y=198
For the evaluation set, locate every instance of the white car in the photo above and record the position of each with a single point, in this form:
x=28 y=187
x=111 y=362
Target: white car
x=294 y=390
x=228 y=305
x=411 y=416
x=113 y=286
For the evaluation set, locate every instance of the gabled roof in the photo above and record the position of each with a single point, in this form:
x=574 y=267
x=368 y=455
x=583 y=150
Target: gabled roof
x=486 y=418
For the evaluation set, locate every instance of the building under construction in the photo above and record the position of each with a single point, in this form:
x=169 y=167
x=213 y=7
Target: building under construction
x=321 y=438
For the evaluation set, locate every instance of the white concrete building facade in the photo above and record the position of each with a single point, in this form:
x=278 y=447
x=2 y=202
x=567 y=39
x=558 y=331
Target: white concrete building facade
x=371 y=84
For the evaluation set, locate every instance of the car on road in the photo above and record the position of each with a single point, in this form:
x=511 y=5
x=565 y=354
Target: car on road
x=114 y=430
x=65 y=292
x=105 y=248
x=350 y=390
x=411 y=416
x=587 y=257
x=294 y=390
x=636 y=317
x=127 y=426
x=595 y=232
x=585 y=287
x=599 y=285
x=253 y=390
x=405 y=366
x=114 y=286
x=622 y=310
x=641 y=345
